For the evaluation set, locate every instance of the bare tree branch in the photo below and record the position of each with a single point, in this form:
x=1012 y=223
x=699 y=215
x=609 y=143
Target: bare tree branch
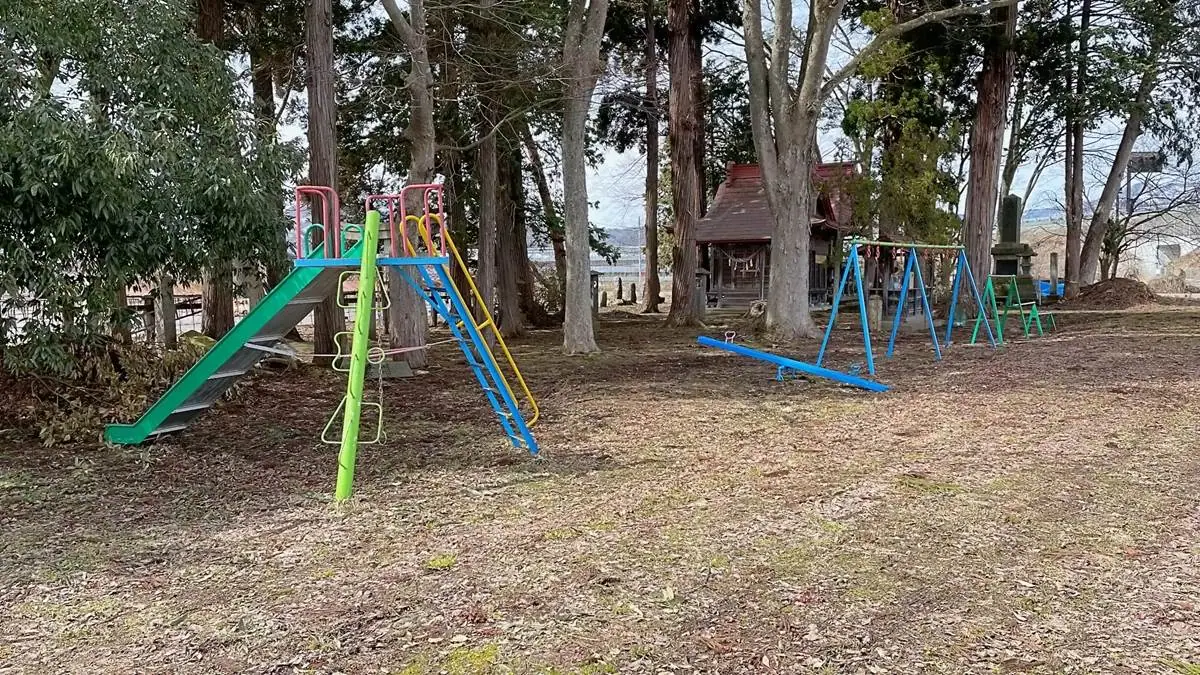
x=400 y=23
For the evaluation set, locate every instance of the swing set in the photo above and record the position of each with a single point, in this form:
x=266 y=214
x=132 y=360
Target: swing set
x=913 y=276
x=1027 y=310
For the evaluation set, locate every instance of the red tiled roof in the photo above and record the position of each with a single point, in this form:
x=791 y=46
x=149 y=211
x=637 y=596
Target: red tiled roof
x=740 y=213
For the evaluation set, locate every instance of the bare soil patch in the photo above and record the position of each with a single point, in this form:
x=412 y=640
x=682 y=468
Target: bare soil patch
x=1031 y=509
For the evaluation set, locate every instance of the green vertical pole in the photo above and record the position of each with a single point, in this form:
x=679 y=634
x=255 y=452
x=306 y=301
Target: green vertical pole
x=1000 y=321
x=989 y=300
x=360 y=344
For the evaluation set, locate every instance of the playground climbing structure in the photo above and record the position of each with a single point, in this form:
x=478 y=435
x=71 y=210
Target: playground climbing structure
x=421 y=253
x=1027 y=309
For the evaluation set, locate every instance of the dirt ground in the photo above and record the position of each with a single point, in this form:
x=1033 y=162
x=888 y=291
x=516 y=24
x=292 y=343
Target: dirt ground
x=1118 y=293
x=1028 y=510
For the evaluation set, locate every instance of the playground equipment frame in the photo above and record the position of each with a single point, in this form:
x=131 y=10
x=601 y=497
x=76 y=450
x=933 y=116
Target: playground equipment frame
x=911 y=271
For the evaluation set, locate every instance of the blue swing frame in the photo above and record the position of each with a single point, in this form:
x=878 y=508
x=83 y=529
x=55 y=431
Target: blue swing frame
x=911 y=269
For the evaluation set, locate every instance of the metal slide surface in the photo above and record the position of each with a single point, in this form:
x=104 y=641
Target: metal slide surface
x=237 y=353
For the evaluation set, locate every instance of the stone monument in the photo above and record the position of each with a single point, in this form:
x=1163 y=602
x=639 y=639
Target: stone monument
x=1053 y=274
x=1011 y=256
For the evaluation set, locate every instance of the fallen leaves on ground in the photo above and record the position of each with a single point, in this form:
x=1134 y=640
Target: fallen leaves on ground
x=1031 y=509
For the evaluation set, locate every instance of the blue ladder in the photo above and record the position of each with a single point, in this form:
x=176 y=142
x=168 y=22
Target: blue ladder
x=440 y=292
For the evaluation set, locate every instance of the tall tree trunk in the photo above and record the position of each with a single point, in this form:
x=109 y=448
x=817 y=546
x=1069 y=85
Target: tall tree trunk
x=581 y=61
x=788 y=313
x=216 y=292
x=682 y=132
x=164 y=311
x=651 y=289
x=488 y=167
x=210 y=21
x=216 y=287
x=1112 y=186
x=1068 y=188
x=262 y=84
x=486 y=35
x=578 y=336
x=1013 y=156
x=889 y=221
x=1075 y=176
x=120 y=316
x=409 y=322
x=987 y=136
x=785 y=137
x=455 y=189
x=450 y=163
x=553 y=222
x=328 y=319
x=263 y=66
x=699 y=106
x=534 y=312
x=510 y=268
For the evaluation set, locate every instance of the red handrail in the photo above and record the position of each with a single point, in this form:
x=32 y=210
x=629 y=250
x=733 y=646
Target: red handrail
x=432 y=197
x=428 y=190
x=394 y=240
x=326 y=199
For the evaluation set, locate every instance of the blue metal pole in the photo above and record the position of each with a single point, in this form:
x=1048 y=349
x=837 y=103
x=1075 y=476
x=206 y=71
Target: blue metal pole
x=452 y=308
x=429 y=297
x=862 y=316
x=499 y=393
x=784 y=362
x=851 y=259
x=908 y=265
x=954 y=296
x=937 y=349
x=966 y=264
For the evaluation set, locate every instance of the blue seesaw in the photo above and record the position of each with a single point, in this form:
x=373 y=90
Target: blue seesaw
x=791 y=364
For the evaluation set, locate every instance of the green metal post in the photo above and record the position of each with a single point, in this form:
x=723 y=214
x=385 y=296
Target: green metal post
x=360 y=344
x=989 y=300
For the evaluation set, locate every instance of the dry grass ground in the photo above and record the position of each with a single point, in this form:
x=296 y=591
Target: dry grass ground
x=1031 y=510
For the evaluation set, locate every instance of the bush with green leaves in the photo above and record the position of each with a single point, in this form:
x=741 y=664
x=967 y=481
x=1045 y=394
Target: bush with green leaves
x=127 y=149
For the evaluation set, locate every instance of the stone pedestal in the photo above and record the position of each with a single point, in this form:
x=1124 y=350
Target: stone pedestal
x=874 y=313
x=1054 y=275
x=596 y=292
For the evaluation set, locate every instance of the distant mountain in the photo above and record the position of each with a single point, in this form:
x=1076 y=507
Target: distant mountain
x=1033 y=215
x=625 y=236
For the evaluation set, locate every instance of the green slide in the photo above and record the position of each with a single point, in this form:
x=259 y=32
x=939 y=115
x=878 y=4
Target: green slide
x=237 y=353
